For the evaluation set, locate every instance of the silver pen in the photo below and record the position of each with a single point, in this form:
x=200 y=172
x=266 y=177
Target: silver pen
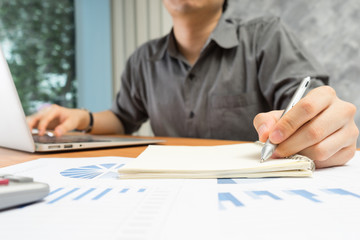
x=269 y=148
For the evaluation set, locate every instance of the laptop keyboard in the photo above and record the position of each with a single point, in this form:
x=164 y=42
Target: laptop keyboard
x=66 y=139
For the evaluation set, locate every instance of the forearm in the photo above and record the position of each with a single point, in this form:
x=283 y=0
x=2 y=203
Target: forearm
x=106 y=122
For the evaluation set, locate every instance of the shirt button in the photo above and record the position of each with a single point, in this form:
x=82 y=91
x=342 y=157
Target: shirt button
x=191 y=76
x=192 y=114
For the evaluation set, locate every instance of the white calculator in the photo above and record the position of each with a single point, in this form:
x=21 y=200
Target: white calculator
x=18 y=190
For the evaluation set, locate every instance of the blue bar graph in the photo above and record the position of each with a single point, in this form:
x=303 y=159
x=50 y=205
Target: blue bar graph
x=84 y=194
x=90 y=193
x=341 y=191
x=62 y=196
x=243 y=180
x=228 y=197
x=258 y=194
x=55 y=191
x=124 y=190
x=305 y=194
x=103 y=193
x=225 y=181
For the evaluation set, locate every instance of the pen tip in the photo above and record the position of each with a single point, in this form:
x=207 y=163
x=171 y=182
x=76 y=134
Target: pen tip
x=266 y=154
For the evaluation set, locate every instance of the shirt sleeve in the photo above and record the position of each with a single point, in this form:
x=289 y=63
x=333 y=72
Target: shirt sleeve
x=128 y=105
x=283 y=62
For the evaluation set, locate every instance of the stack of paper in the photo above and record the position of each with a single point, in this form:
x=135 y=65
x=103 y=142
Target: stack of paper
x=227 y=161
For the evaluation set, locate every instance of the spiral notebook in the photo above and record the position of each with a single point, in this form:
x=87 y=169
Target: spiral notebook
x=226 y=161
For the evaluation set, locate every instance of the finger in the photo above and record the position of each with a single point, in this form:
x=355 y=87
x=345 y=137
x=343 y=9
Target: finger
x=327 y=148
x=333 y=121
x=64 y=127
x=45 y=119
x=338 y=159
x=263 y=122
x=32 y=121
x=306 y=109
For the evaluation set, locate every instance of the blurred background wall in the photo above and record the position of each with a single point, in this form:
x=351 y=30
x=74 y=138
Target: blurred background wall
x=330 y=29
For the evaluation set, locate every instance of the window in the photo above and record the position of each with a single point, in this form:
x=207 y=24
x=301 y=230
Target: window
x=38 y=40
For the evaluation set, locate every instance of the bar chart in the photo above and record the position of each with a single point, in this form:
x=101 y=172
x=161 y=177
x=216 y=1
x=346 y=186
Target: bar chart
x=238 y=200
x=93 y=194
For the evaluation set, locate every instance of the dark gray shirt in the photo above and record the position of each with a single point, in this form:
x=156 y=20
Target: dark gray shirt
x=246 y=67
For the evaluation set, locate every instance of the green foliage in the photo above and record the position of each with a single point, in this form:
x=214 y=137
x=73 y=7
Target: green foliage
x=41 y=55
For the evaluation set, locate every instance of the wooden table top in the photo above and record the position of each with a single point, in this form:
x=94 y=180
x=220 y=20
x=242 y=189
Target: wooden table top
x=10 y=157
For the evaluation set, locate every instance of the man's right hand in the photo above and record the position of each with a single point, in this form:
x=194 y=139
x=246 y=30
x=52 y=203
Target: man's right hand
x=59 y=119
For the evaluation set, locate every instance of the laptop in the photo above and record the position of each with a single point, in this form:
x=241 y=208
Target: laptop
x=15 y=133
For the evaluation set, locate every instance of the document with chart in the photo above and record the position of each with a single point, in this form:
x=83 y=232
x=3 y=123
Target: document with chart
x=88 y=201
x=326 y=206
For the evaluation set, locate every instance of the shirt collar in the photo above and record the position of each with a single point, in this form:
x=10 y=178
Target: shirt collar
x=225 y=35
x=168 y=45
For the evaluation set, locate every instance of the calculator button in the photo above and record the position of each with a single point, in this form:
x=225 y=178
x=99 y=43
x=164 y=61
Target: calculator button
x=4 y=175
x=20 y=179
x=4 y=181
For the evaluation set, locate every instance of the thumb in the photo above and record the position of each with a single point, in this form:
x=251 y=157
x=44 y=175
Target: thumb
x=64 y=127
x=264 y=122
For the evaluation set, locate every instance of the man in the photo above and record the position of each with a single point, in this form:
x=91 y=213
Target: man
x=211 y=77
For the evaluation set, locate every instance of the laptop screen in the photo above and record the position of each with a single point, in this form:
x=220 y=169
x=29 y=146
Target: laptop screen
x=13 y=128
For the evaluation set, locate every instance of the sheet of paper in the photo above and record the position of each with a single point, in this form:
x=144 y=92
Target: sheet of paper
x=326 y=206
x=88 y=201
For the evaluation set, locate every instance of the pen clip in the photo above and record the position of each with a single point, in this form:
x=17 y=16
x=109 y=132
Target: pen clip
x=305 y=83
